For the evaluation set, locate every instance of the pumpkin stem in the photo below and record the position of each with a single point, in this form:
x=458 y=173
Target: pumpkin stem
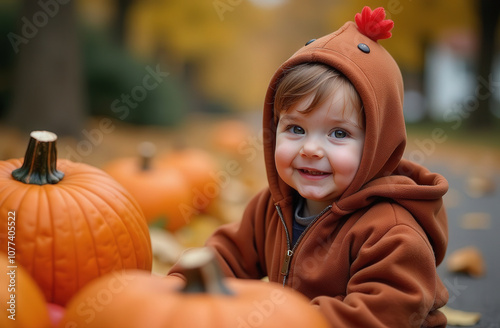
x=146 y=151
x=203 y=273
x=40 y=160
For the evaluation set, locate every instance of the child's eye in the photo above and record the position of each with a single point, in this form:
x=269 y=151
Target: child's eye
x=296 y=129
x=339 y=134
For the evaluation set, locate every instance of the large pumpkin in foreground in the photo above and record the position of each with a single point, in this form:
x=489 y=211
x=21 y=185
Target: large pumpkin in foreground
x=137 y=300
x=73 y=222
x=23 y=305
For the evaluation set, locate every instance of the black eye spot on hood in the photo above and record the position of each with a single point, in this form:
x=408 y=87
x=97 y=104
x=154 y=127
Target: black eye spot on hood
x=310 y=41
x=364 y=47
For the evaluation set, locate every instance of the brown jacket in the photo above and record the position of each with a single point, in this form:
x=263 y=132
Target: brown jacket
x=370 y=259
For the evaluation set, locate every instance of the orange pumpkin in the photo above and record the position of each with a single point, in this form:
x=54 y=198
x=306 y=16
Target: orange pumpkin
x=231 y=136
x=202 y=173
x=136 y=299
x=23 y=305
x=158 y=190
x=73 y=222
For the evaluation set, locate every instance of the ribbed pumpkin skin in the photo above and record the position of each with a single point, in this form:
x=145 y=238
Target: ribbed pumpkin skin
x=134 y=299
x=74 y=231
x=31 y=308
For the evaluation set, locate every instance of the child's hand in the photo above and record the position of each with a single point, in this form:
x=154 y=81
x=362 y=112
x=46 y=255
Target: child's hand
x=176 y=281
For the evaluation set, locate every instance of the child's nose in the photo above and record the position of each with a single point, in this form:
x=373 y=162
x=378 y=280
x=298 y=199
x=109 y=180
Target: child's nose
x=312 y=148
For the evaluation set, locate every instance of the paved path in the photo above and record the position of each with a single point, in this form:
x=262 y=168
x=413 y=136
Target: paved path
x=467 y=293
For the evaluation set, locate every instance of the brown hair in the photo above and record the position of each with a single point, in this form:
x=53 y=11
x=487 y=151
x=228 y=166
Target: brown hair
x=313 y=78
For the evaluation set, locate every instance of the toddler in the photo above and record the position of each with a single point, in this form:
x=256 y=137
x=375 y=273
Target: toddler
x=345 y=220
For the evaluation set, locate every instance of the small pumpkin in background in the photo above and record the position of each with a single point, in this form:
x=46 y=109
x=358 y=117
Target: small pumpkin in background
x=201 y=170
x=29 y=308
x=237 y=141
x=139 y=300
x=73 y=222
x=231 y=137
x=159 y=190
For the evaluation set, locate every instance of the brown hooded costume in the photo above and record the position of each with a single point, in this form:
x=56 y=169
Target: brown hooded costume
x=370 y=259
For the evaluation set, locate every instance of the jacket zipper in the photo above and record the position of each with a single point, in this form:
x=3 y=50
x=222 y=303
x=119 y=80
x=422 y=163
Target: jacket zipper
x=285 y=267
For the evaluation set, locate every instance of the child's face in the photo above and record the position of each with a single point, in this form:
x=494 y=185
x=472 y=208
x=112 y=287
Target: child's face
x=318 y=153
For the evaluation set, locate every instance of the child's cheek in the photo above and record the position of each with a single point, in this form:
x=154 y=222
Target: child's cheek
x=283 y=155
x=346 y=163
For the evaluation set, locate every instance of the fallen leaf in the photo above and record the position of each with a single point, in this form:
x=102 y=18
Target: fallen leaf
x=480 y=184
x=460 y=318
x=196 y=233
x=165 y=246
x=476 y=220
x=160 y=268
x=467 y=260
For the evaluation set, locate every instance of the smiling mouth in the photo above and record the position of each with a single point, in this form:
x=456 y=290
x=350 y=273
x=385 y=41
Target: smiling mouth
x=313 y=172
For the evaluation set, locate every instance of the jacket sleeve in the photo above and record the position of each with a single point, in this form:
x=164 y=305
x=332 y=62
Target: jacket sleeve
x=237 y=244
x=393 y=283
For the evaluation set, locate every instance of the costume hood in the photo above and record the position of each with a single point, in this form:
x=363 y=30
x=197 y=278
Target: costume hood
x=355 y=52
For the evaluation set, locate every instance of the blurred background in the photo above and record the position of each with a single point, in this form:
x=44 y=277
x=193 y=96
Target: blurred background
x=65 y=62
x=108 y=75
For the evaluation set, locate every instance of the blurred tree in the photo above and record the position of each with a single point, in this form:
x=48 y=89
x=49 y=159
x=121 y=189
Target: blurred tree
x=47 y=91
x=121 y=20
x=229 y=49
x=488 y=12
x=182 y=36
x=120 y=84
x=8 y=19
x=417 y=26
x=225 y=50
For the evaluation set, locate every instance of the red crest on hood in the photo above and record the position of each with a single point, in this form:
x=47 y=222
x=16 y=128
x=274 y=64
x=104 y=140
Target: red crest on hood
x=373 y=23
